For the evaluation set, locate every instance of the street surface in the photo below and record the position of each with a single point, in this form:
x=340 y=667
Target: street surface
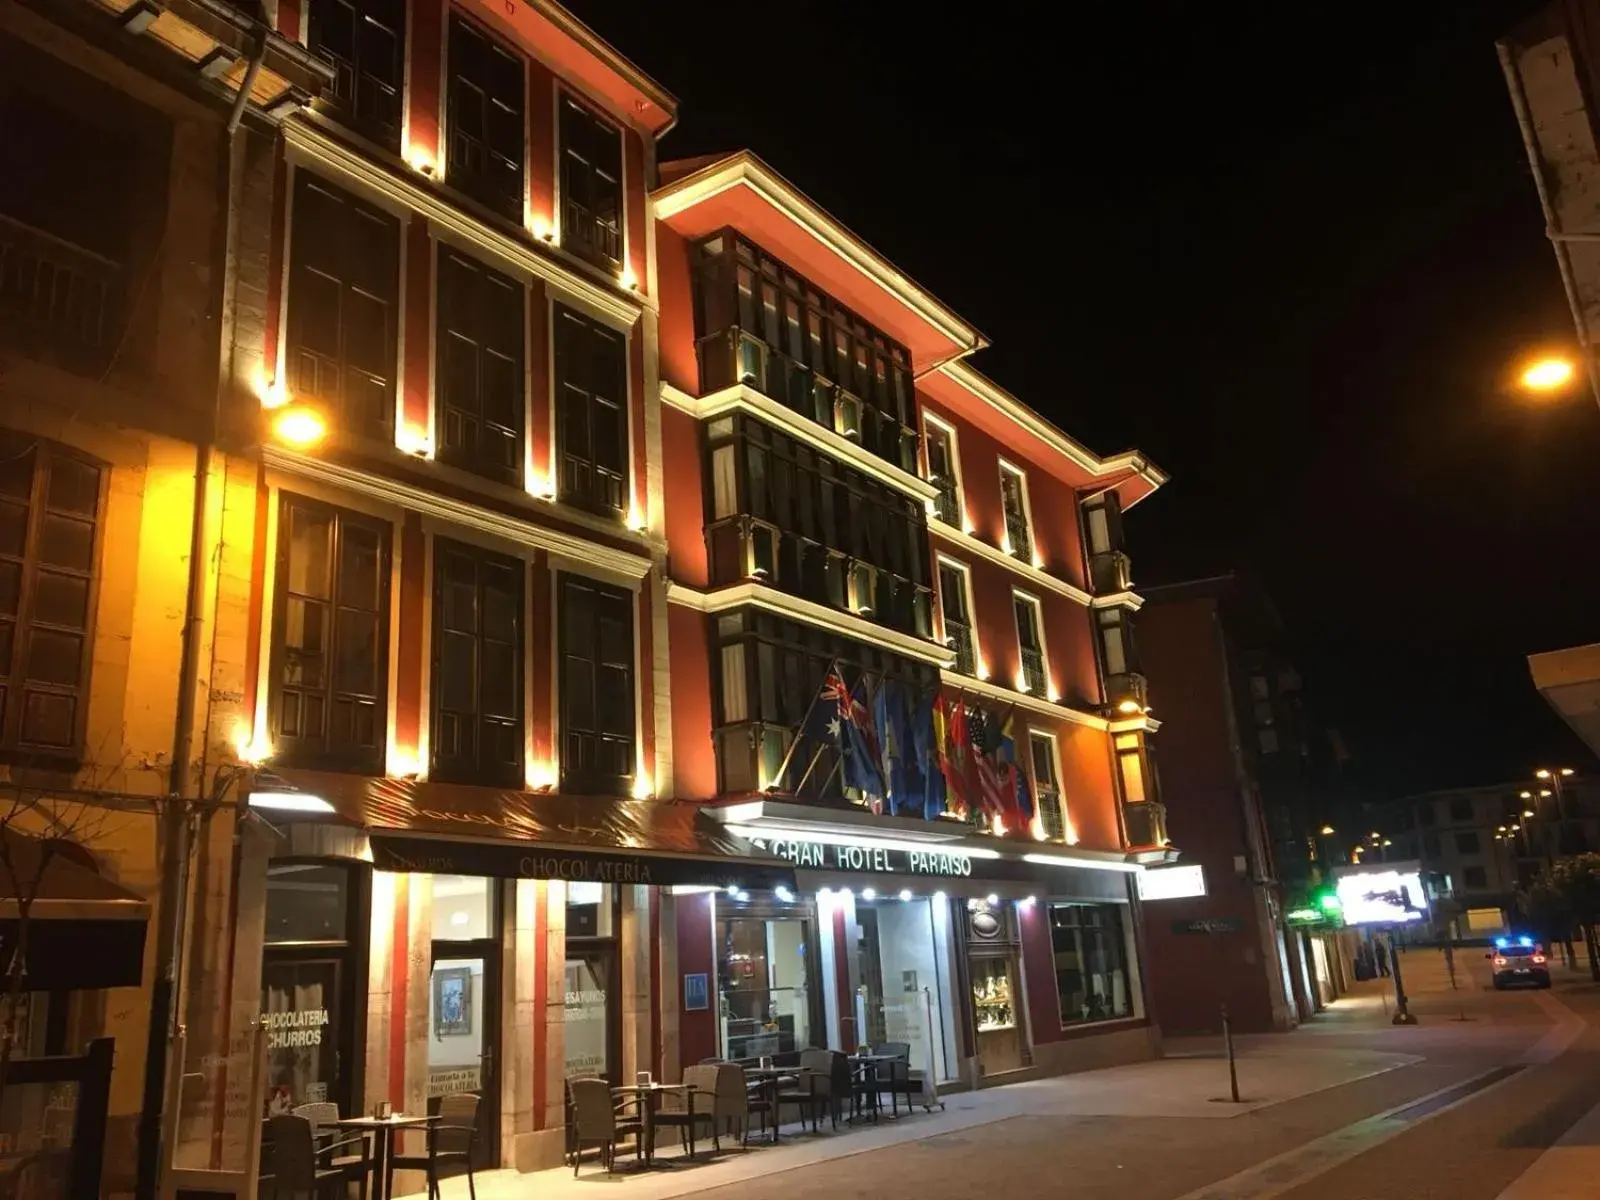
x=1492 y=1096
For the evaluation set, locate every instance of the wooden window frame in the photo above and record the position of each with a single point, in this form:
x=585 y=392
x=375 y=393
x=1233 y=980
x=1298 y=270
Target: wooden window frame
x=449 y=325
x=12 y=748
x=479 y=185
x=302 y=753
x=588 y=497
x=351 y=72
x=579 y=226
x=942 y=561
x=1027 y=553
x=573 y=778
x=1018 y=596
x=474 y=768
x=931 y=421
x=1034 y=732
x=297 y=355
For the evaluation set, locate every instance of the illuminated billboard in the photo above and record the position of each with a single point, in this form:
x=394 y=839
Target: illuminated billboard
x=1382 y=894
x=1172 y=883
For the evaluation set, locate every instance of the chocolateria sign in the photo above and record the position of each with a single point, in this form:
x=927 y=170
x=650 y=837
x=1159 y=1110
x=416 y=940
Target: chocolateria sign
x=513 y=860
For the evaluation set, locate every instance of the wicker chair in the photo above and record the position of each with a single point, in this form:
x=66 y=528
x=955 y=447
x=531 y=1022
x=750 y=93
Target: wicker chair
x=450 y=1142
x=691 y=1108
x=292 y=1160
x=595 y=1122
x=324 y=1118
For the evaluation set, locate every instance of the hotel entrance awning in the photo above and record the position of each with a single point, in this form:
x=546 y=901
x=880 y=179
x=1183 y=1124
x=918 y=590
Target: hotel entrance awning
x=463 y=829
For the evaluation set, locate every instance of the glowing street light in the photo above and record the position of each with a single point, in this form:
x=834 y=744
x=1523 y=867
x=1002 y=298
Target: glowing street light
x=1327 y=831
x=1547 y=374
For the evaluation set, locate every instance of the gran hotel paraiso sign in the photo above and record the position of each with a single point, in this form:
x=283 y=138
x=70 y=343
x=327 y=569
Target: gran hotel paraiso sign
x=831 y=856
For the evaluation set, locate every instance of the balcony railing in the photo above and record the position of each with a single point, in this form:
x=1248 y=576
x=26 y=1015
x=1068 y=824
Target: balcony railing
x=1128 y=685
x=1147 y=823
x=1034 y=681
x=57 y=298
x=946 y=506
x=733 y=356
x=958 y=637
x=1110 y=572
x=1051 y=817
x=1018 y=537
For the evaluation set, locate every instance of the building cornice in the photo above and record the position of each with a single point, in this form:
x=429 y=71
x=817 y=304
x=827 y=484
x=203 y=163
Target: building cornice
x=994 y=554
x=1001 y=694
x=1129 y=600
x=576 y=550
x=758 y=595
x=309 y=143
x=597 y=46
x=1128 y=464
x=743 y=398
x=744 y=169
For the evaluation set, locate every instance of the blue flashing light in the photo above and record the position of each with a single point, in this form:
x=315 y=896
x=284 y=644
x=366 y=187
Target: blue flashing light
x=1526 y=941
x=1502 y=942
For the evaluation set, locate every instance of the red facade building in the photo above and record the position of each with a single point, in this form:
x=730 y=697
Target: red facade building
x=661 y=643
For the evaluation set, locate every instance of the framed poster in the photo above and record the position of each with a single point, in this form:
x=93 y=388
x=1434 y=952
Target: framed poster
x=696 y=993
x=452 y=1001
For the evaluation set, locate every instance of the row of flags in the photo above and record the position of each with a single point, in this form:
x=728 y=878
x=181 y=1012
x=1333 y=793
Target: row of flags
x=920 y=755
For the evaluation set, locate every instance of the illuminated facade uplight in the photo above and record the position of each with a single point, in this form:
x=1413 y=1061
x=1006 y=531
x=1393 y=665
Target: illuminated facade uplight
x=540 y=775
x=411 y=439
x=1547 y=374
x=643 y=789
x=628 y=279
x=1129 y=707
x=299 y=426
x=249 y=748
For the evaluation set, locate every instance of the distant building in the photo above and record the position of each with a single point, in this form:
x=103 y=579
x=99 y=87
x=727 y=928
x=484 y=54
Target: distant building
x=1243 y=771
x=1479 y=845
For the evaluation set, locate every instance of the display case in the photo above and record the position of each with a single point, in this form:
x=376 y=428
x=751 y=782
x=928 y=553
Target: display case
x=991 y=995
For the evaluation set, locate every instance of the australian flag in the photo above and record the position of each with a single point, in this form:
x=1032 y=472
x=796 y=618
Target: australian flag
x=842 y=719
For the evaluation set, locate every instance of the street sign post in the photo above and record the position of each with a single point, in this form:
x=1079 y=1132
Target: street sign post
x=1214 y=927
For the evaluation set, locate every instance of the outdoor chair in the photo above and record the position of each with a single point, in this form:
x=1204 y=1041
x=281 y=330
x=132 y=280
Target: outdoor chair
x=736 y=1101
x=830 y=1080
x=293 y=1163
x=324 y=1118
x=449 y=1143
x=691 y=1108
x=595 y=1122
x=803 y=1092
x=894 y=1076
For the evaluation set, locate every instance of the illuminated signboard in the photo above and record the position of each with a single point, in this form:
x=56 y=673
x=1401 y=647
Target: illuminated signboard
x=1172 y=883
x=1382 y=895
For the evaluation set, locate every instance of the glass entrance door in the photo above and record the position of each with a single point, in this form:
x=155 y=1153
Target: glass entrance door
x=464 y=1005
x=590 y=995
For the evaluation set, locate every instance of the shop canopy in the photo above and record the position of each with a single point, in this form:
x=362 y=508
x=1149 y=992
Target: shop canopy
x=464 y=829
x=83 y=931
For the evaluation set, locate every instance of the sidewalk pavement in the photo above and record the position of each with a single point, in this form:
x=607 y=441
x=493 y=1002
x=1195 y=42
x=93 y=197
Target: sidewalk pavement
x=1191 y=1083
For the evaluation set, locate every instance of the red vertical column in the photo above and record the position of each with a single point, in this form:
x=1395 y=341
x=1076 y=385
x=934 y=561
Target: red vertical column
x=289 y=19
x=426 y=86
x=541 y=583
x=408 y=665
x=849 y=1035
x=541 y=149
x=419 y=334
x=633 y=168
x=637 y=512
x=1038 y=956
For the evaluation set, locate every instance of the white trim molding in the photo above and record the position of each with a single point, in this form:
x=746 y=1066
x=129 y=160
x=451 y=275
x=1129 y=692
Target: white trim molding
x=744 y=169
x=1129 y=600
x=584 y=555
x=309 y=144
x=994 y=554
x=741 y=397
x=759 y=595
x=1127 y=464
x=1001 y=694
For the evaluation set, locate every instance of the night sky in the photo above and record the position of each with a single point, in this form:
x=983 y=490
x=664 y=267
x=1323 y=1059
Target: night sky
x=1291 y=258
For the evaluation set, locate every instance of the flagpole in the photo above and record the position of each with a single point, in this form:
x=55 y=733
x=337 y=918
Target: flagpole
x=810 y=767
x=794 y=742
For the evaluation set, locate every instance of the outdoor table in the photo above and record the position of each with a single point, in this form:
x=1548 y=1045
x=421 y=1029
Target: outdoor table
x=866 y=1067
x=768 y=1078
x=649 y=1095
x=383 y=1130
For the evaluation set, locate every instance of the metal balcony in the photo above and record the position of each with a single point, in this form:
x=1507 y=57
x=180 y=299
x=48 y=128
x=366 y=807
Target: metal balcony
x=57 y=299
x=1034 y=681
x=958 y=637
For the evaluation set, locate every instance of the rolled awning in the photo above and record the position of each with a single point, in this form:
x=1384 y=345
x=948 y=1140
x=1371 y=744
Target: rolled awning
x=463 y=829
x=83 y=931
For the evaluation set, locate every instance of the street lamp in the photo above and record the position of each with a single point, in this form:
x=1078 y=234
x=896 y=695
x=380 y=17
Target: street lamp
x=1327 y=831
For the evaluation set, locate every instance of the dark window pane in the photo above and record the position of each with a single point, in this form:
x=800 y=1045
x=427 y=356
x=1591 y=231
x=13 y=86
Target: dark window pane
x=478 y=681
x=74 y=487
x=48 y=720
x=53 y=657
x=597 y=686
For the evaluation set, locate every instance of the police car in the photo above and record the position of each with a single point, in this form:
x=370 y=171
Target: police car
x=1519 y=961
